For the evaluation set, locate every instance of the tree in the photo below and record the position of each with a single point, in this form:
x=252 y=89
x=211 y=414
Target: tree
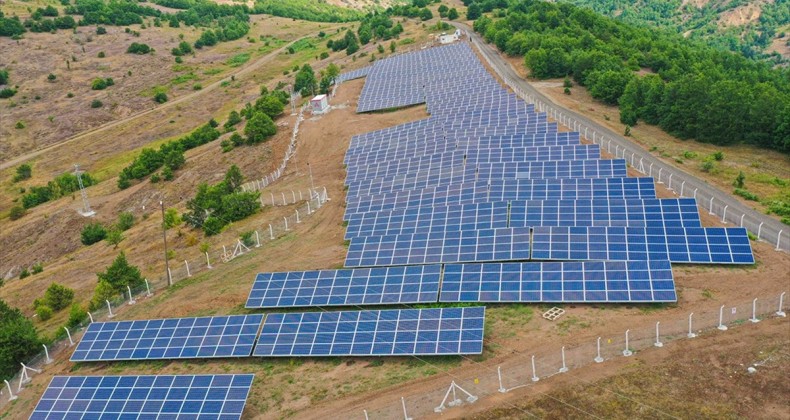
x=104 y=291
x=160 y=97
x=23 y=171
x=739 y=180
x=392 y=46
x=18 y=340
x=474 y=11
x=3 y=77
x=425 y=14
x=77 y=315
x=269 y=105
x=608 y=85
x=350 y=42
x=114 y=237
x=125 y=221
x=58 y=296
x=234 y=179
x=452 y=14
x=121 y=274
x=92 y=233
x=172 y=219
x=443 y=10
x=259 y=128
x=138 y=48
x=305 y=81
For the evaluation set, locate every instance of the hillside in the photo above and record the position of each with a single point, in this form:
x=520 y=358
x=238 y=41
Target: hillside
x=756 y=28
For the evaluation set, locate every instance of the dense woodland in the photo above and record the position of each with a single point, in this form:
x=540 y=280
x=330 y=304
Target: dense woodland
x=692 y=90
x=702 y=23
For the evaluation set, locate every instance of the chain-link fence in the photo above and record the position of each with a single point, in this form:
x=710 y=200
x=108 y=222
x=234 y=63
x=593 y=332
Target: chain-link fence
x=524 y=369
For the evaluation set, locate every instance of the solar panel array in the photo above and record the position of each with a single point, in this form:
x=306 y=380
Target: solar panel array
x=394 y=332
x=146 y=397
x=174 y=338
x=351 y=75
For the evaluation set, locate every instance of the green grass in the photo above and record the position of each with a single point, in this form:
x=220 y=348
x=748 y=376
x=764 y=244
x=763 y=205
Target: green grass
x=211 y=72
x=238 y=60
x=183 y=79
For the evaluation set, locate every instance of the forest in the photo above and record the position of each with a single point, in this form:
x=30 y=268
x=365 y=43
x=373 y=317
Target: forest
x=751 y=40
x=689 y=89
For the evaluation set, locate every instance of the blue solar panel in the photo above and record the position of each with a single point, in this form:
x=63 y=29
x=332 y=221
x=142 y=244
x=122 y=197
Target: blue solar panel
x=440 y=247
x=174 y=338
x=364 y=286
x=678 y=245
x=589 y=281
x=144 y=397
x=523 y=189
x=355 y=74
x=398 y=332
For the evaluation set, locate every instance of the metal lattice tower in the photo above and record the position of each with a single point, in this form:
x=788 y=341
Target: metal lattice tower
x=86 y=207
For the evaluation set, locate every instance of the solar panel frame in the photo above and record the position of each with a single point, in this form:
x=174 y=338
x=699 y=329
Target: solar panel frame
x=172 y=338
x=144 y=396
x=394 y=332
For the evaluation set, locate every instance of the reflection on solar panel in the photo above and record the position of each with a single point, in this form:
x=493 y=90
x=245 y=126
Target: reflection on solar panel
x=503 y=214
x=440 y=247
x=174 y=338
x=589 y=281
x=678 y=245
x=374 y=333
x=146 y=397
x=363 y=286
x=504 y=190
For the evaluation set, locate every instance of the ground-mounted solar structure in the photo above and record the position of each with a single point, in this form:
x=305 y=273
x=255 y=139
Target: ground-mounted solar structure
x=144 y=397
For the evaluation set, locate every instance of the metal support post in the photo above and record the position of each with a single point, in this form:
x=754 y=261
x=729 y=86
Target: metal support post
x=598 y=358
x=627 y=352
x=691 y=331
x=754 y=318
x=564 y=368
x=721 y=319
x=658 y=342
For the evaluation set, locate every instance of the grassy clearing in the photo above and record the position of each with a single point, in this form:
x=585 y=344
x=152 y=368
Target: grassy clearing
x=238 y=59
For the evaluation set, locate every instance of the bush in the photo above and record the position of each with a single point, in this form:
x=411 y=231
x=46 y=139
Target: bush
x=7 y=93
x=37 y=268
x=19 y=125
x=100 y=84
x=155 y=178
x=100 y=30
x=24 y=274
x=121 y=274
x=51 y=77
x=101 y=54
x=44 y=312
x=137 y=48
x=172 y=219
x=706 y=166
x=58 y=297
x=115 y=237
x=92 y=233
x=23 y=171
x=125 y=221
x=718 y=156
x=77 y=315
x=259 y=128
x=746 y=194
x=160 y=97
x=96 y=103
x=17 y=212
x=167 y=173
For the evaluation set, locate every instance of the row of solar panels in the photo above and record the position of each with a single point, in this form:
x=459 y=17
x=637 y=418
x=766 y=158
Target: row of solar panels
x=526 y=282
x=347 y=333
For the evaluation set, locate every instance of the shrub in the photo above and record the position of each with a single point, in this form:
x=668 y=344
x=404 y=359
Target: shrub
x=7 y=93
x=246 y=238
x=77 y=315
x=226 y=145
x=103 y=292
x=138 y=48
x=706 y=166
x=746 y=194
x=121 y=274
x=100 y=30
x=101 y=54
x=125 y=221
x=19 y=125
x=24 y=274
x=718 y=156
x=51 y=77
x=172 y=219
x=44 y=312
x=23 y=171
x=167 y=173
x=259 y=128
x=96 y=103
x=17 y=212
x=115 y=237
x=160 y=97
x=37 y=268
x=99 y=84
x=197 y=86
x=58 y=297
x=92 y=233
x=155 y=178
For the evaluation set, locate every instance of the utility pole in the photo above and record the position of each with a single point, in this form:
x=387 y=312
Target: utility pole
x=164 y=238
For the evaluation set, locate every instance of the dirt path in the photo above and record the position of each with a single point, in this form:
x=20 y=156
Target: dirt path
x=188 y=97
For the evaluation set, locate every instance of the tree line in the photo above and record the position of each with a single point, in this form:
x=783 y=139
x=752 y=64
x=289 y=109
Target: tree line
x=693 y=90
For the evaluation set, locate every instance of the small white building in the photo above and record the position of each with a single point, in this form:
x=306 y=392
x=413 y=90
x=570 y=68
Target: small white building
x=444 y=38
x=319 y=104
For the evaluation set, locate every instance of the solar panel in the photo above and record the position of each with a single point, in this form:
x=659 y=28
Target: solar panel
x=507 y=190
x=589 y=281
x=173 y=338
x=365 y=286
x=397 y=332
x=440 y=247
x=678 y=245
x=355 y=74
x=145 y=397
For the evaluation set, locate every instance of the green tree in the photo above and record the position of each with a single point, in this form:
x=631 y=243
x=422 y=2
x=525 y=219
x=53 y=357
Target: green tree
x=114 y=237
x=352 y=45
x=23 y=171
x=426 y=14
x=443 y=10
x=58 y=296
x=3 y=77
x=259 y=128
x=172 y=219
x=305 y=82
x=125 y=221
x=121 y=274
x=452 y=14
x=18 y=340
x=92 y=233
x=233 y=179
x=269 y=105
x=392 y=46
x=474 y=11
x=51 y=77
x=44 y=312
x=160 y=97
x=104 y=291
x=739 y=180
x=77 y=315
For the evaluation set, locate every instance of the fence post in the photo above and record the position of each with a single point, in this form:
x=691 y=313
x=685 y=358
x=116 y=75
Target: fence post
x=695 y=193
x=778 y=237
x=721 y=326
x=742 y=216
x=669 y=182
x=147 y=289
x=598 y=358
x=272 y=195
x=286 y=222
x=11 y=396
x=403 y=404
x=90 y=317
x=534 y=376
x=499 y=374
x=626 y=351
x=68 y=334
x=271 y=232
x=759 y=229
x=308 y=208
x=658 y=342
x=208 y=262
x=710 y=206
x=682 y=184
x=131 y=299
x=691 y=332
x=300 y=195
x=366 y=414
x=564 y=368
x=46 y=353
x=780 y=312
x=283 y=198
x=659 y=175
x=257 y=240
x=297 y=216
x=294 y=195
x=186 y=264
x=723 y=216
x=109 y=308
x=754 y=318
